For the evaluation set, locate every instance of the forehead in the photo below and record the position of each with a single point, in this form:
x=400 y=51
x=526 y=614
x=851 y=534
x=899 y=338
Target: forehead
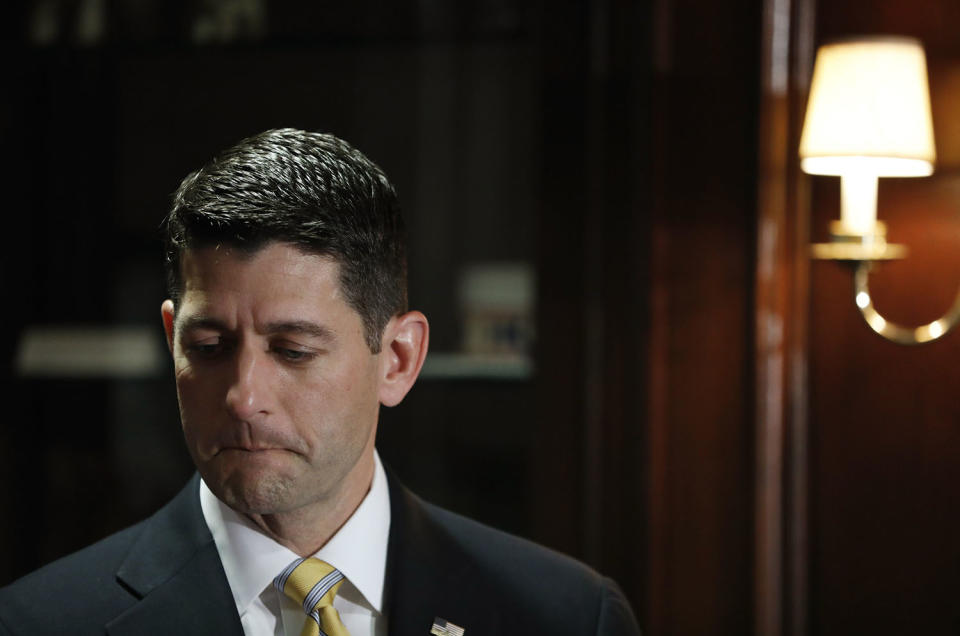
x=275 y=259
x=276 y=279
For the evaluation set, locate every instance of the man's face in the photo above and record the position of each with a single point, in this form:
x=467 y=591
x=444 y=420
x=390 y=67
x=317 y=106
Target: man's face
x=278 y=389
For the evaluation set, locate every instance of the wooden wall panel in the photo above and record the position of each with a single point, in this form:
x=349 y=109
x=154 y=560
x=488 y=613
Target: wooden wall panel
x=646 y=265
x=884 y=419
x=592 y=290
x=700 y=418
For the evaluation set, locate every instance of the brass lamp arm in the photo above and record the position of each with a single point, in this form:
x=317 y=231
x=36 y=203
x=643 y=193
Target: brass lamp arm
x=894 y=332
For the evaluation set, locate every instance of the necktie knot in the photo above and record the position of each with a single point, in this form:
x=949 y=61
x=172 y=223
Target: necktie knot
x=313 y=583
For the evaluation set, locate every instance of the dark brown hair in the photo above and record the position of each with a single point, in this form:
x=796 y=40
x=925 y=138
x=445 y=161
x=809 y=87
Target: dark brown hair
x=311 y=190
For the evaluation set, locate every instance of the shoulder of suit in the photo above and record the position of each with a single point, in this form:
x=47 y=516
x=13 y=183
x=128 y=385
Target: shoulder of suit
x=514 y=558
x=538 y=590
x=80 y=584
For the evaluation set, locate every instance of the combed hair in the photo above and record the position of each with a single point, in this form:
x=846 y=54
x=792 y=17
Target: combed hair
x=311 y=190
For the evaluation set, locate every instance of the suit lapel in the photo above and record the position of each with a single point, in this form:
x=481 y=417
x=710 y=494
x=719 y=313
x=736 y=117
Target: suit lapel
x=429 y=576
x=175 y=571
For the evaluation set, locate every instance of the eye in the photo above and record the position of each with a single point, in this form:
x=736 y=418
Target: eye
x=293 y=355
x=208 y=348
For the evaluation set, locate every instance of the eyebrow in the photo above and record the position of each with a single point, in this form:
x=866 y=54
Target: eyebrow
x=304 y=327
x=199 y=322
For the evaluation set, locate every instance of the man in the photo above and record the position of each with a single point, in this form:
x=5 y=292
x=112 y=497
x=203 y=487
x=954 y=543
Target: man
x=288 y=326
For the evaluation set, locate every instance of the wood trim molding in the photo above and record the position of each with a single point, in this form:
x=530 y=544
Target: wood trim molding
x=781 y=302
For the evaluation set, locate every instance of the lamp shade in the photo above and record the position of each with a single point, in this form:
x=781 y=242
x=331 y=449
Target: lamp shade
x=869 y=110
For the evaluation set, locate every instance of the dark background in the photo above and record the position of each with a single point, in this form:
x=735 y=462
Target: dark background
x=708 y=419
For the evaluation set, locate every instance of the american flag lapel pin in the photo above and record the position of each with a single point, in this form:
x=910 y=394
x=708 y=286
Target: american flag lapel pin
x=443 y=627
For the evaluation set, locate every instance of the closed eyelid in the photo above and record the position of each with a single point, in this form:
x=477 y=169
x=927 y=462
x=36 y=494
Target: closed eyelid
x=292 y=348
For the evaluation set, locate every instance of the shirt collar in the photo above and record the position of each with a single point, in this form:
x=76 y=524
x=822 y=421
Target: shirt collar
x=251 y=559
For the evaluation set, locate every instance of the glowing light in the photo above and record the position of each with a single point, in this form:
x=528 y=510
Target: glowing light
x=863 y=300
x=858 y=202
x=868 y=116
x=877 y=322
x=869 y=110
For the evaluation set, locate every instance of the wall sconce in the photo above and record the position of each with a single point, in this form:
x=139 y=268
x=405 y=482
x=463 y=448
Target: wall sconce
x=868 y=116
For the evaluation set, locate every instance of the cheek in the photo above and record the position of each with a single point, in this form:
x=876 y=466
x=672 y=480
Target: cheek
x=199 y=398
x=332 y=408
x=308 y=405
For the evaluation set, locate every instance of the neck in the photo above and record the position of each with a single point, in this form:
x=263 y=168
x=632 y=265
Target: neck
x=306 y=529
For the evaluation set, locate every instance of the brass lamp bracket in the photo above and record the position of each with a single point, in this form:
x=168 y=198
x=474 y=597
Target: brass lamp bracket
x=854 y=247
x=894 y=332
x=864 y=251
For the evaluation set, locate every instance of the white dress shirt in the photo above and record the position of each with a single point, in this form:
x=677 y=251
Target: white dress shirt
x=251 y=560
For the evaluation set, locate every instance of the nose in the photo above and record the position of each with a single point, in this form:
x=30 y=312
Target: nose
x=248 y=393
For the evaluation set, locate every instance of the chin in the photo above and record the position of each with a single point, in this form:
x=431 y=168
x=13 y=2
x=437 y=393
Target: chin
x=253 y=490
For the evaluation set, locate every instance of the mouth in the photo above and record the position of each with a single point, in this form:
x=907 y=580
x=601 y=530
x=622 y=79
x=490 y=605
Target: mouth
x=251 y=449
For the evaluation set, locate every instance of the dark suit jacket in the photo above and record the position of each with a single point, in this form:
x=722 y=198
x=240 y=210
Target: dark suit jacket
x=163 y=576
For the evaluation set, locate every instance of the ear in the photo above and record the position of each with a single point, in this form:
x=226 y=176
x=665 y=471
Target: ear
x=403 y=350
x=166 y=314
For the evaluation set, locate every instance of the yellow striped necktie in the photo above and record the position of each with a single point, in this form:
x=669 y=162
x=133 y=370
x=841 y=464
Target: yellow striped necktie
x=313 y=583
